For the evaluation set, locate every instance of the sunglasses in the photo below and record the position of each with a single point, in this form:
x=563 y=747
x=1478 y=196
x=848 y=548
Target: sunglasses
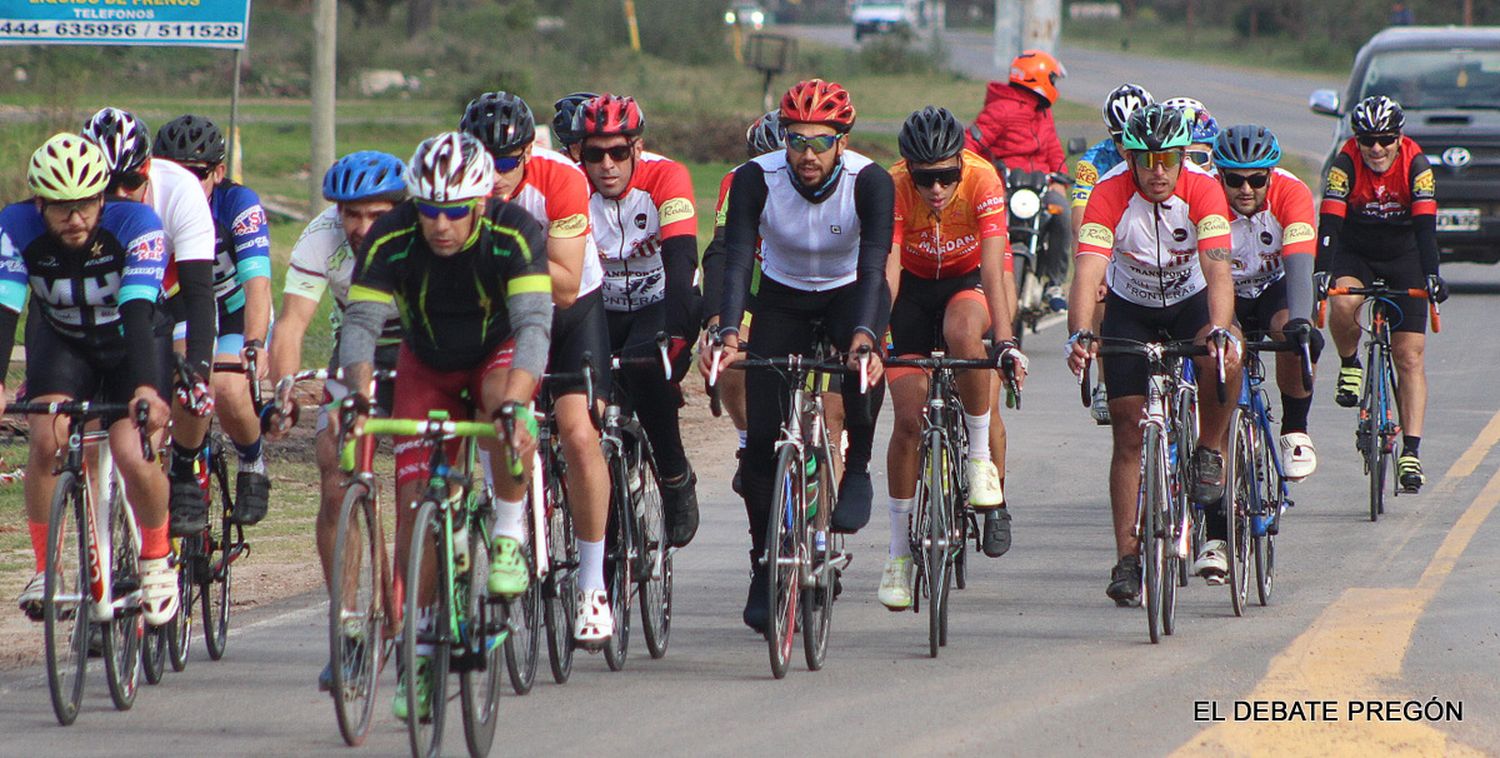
x=944 y=176
x=453 y=212
x=65 y=209
x=798 y=143
x=1148 y=160
x=1383 y=140
x=1235 y=181
x=1201 y=157
x=508 y=163
x=131 y=182
x=618 y=153
x=199 y=170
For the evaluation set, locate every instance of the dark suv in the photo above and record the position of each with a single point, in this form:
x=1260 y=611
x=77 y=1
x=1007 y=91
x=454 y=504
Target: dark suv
x=1447 y=79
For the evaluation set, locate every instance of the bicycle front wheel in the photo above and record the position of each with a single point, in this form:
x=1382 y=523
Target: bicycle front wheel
x=1239 y=469
x=1372 y=428
x=1151 y=505
x=619 y=546
x=122 y=633
x=935 y=549
x=656 y=578
x=67 y=597
x=561 y=585
x=217 y=581
x=425 y=715
x=479 y=684
x=524 y=614
x=817 y=598
x=356 y=614
x=784 y=525
x=180 y=632
x=1272 y=501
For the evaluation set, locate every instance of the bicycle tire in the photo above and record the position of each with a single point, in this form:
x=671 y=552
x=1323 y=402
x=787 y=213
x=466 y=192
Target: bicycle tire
x=618 y=562
x=935 y=549
x=1238 y=470
x=486 y=625
x=1271 y=504
x=1373 y=425
x=66 y=597
x=781 y=556
x=180 y=632
x=1149 y=506
x=425 y=735
x=817 y=599
x=1017 y=322
x=356 y=614
x=561 y=596
x=218 y=582
x=524 y=615
x=655 y=583
x=122 y=633
x=154 y=653
x=1186 y=429
x=961 y=560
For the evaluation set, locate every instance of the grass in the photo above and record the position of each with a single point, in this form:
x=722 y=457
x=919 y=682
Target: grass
x=1208 y=44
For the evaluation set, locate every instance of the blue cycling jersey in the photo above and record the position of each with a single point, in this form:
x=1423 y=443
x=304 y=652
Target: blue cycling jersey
x=242 y=244
x=1096 y=162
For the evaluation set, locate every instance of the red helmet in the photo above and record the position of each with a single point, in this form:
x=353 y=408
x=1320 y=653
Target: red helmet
x=608 y=115
x=1038 y=71
x=818 y=102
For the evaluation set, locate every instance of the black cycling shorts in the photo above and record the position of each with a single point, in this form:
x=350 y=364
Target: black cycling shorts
x=59 y=365
x=1127 y=375
x=1399 y=273
x=577 y=329
x=1255 y=313
x=917 y=316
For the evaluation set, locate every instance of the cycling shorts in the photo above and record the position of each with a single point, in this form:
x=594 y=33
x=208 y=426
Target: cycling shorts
x=420 y=390
x=1405 y=272
x=385 y=392
x=57 y=365
x=918 y=314
x=1127 y=375
x=578 y=329
x=1255 y=313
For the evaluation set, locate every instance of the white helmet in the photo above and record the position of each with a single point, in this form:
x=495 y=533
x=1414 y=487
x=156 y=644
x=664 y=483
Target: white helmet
x=1121 y=102
x=450 y=167
x=1188 y=104
x=125 y=140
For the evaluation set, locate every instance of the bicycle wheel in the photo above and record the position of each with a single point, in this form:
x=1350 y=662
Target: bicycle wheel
x=221 y=545
x=1371 y=428
x=961 y=560
x=935 y=538
x=1239 y=470
x=1149 y=505
x=122 y=633
x=1272 y=497
x=655 y=590
x=1175 y=527
x=817 y=599
x=66 y=598
x=561 y=585
x=1017 y=323
x=486 y=620
x=619 y=562
x=180 y=631
x=356 y=614
x=155 y=649
x=425 y=733
x=524 y=615
x=1185 y=443
x=783 y=543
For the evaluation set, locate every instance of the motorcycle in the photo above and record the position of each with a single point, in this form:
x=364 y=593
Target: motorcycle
x=1029 y=218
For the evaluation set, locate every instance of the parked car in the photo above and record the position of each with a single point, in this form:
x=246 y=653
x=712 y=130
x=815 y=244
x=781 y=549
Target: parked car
x=883 y=17
x=748 y=15
x=1447 y=80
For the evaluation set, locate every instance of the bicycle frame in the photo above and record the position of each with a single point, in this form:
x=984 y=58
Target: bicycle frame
x=99 y=481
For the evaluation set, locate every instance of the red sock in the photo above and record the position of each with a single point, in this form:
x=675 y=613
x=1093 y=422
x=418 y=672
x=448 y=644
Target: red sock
x=39 y=544
x=154 y=542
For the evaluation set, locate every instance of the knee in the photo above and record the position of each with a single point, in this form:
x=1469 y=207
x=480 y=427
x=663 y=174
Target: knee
x=1408 y=358
x=907 y=424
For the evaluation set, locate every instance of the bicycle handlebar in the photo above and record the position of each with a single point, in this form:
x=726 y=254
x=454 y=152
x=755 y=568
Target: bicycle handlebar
x=1119 y=346
x=1297 y=341
x=1379 y=290
x=140 y=412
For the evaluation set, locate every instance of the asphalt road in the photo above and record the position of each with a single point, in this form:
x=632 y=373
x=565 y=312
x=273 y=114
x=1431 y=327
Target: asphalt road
x=1039 y=661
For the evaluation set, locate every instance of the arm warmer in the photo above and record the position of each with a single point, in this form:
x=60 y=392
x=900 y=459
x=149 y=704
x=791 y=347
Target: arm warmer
x=1425 y=227
x=875 y=202
x=195 y=280
x=363 y=320
x=713 y=275
x=747 y=198
x=1299 y=285
x=531 y=328
x=679 y=261
x=8 y=321
x=1330 y=227
x=141 y=354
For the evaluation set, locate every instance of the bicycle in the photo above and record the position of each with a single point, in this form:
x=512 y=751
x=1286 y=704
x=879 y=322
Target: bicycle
x=1378 y=429
x=1163 y=517
x=103 y=587
x=803 y=556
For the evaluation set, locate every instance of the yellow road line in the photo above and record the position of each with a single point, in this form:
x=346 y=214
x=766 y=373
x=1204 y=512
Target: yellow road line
x=1470 y=460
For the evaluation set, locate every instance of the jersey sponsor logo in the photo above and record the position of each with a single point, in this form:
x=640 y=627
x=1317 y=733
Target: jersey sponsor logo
x=1266 y=238
x=59 y=293
x=1212 y=226
x=1337 y=184
x=1098 y=235
x=1179 y=235
x=640 y=221
x=571 y=226
x=1298 y=232
x=990 y=205
x=11 y=265
x=150 y=248
x=1423 y=186
x=1086 y=173
x=676 y=209
x=249 y=222
x=835 y=229
x=930 y=248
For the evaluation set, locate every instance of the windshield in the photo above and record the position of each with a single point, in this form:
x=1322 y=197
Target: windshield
x=1435 y=78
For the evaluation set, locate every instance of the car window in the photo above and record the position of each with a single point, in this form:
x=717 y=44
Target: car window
x=1435 y=78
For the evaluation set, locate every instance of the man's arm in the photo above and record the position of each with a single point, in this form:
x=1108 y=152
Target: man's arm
x=565 y=265
x=747 y=198
x=291 y=327
x=992 y=278
x=874 y=203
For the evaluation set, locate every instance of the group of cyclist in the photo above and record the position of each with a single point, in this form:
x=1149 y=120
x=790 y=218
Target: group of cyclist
x=488 y=261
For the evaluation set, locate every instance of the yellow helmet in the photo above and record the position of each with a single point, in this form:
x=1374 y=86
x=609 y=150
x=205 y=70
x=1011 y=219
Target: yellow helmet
x=67 y=167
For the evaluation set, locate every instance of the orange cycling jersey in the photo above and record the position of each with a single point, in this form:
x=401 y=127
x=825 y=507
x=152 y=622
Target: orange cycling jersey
x=942 y=245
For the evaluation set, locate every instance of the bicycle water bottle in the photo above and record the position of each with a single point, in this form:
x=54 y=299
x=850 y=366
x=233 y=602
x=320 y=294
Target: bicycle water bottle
x=811 y=489
x=820 y=541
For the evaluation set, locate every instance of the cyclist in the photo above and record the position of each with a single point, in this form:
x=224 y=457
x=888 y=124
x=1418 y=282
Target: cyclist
x=177 y=197
x=1378 y=220
x=362 y=186
x=1158 y=231
x=646 y=229
x=1096 y=161
x=556 y=194
x=763 y=136
x=95 y=268
x=821 y=214
x=472 y=289
x=1274 y=235
x=946 y=272
x=1205 y=130
x=242 y=287
x=563 y=123
x=1015 y=128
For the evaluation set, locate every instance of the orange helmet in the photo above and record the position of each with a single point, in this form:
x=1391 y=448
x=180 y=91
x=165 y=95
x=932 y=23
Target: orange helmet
x=1038 y=71
x=818 y=102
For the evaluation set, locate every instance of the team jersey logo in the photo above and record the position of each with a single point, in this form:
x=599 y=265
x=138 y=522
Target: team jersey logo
x=1086 y=173
x=1338 y=183
x=1424 y=186
x=676 y=209
x=249 y=222
x=1298 y=232
x=152 y=247
x=1179 y=235
x=1097 y=235
x=640 y=221
x=1212 y=226
x=571 y=226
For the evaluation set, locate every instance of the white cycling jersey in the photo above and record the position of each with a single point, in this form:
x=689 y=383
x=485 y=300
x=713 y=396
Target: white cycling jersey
x=804 y=245
x=1286 y=225
x=177 y=196
x=322 y=260
x=556 y=193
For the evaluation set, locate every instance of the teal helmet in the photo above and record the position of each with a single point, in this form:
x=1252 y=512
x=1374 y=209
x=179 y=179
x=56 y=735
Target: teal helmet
x=1155 y=127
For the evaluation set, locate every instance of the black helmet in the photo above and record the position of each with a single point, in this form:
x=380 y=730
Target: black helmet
x=190 y=139
x=930 y=135
x=499 y=120
x=563 y=127
x=1246 y=146
x=1377 y=114
x=1156 y=127
x=1120 y=103
x=124 y=139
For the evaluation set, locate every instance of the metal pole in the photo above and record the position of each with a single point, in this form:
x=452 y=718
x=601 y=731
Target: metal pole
x=1043 y=23
x=325 y=48
x=234 y=120
x=635 y=31
x=1007 y=33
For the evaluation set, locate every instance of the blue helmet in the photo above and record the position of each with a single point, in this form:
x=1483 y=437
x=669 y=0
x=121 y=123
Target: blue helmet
x=1205 y=128
x=365 y=175
x=1246 y=146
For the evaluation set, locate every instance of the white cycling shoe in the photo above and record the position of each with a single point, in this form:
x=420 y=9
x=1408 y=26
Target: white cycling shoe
x=158 y=590
x=1298 y=456
x=1212 y=564
x=31 y=598
x=895 y=583
x=984 y=484
x=595 y=623
x=1099 y=407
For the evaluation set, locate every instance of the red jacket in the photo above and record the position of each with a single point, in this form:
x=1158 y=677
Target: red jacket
x=1015 y=127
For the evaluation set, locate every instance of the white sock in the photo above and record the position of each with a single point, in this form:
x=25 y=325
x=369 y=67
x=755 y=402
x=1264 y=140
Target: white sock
x=509 y=522
x=900 y=509
x=744 y=435
x=979 y=436
x=591 y=565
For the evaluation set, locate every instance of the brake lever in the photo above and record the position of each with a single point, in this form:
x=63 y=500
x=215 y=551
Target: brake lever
x=864 y=369
x=142 y=418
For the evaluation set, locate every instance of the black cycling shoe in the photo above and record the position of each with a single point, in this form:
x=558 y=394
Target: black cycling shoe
x=1208 y=476
x=1125 y=582
x=737 y=484
x=252 y=497
x=680 y=502
x=996 y=532
x=189 y=513
x=855 y=494
x=757 y=613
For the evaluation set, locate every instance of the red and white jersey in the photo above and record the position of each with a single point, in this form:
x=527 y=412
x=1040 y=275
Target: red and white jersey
x=628 y=230
x=1153 y=247
x=556 y=193
x=1286 y=225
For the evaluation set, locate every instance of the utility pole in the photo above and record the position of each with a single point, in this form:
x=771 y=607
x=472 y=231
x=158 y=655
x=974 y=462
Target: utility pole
x=324 y=76
x=1007 y=34
x=1468 y=12
x=1043 y=24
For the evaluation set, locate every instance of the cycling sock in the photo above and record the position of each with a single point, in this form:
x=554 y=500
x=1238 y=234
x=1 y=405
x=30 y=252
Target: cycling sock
x=424 y=626
x=154 y=542
x=183 y=459
x=857 y=455
x=1349 y=362
x=1294 y=413
x=744 y=435
x=508 y=519
x=249 y=454
x=39 y=543
x=979 y=436
x=900 y=519
x=591 y=565
x=1410 y=444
